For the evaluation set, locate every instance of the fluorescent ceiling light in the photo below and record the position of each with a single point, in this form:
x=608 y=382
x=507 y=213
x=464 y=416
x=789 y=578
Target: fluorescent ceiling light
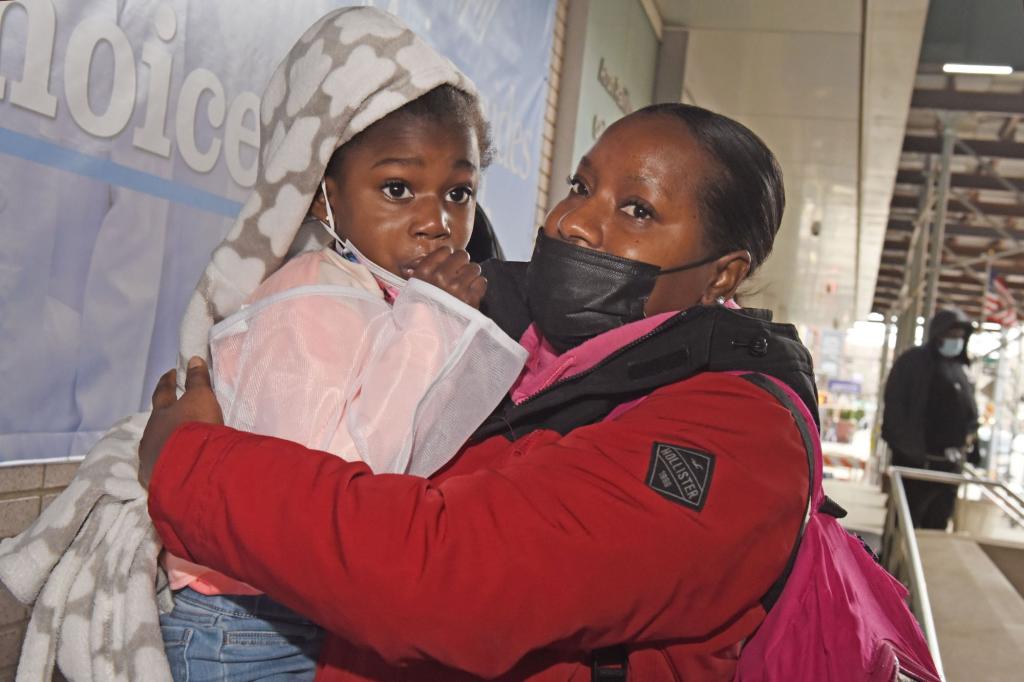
x=986 y=69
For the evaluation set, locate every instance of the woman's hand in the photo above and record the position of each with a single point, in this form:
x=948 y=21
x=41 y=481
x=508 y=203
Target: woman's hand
x=197 y=404
x=452 y=271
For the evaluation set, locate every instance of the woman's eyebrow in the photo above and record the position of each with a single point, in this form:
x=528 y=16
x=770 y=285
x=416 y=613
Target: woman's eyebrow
x=410 y=161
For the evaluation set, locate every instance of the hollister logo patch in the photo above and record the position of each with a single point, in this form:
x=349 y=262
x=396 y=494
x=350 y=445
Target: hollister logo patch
x=680 y=474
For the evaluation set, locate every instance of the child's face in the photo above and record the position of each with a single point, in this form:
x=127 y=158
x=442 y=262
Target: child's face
x=406 y=188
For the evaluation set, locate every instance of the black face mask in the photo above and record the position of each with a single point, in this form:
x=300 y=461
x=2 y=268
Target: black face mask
x=576 y=293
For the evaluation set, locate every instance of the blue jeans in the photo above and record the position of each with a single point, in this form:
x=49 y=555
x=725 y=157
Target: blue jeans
x=236 y=638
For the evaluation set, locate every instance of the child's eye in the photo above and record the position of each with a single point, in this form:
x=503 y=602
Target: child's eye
x=395 y=189
x=638 y=210
x=577 y=186
x=460 y=195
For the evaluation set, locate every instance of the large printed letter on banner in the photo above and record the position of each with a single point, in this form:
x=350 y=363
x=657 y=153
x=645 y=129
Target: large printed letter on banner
x=128 y=142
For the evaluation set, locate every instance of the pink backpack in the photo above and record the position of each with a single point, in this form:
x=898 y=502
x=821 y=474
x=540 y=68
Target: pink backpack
x=839 y=615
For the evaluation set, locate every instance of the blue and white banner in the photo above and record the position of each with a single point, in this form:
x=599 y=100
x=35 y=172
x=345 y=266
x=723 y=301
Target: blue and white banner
x=128 y=140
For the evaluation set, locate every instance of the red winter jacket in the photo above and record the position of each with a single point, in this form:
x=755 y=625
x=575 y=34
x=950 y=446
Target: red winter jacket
x=522 y=557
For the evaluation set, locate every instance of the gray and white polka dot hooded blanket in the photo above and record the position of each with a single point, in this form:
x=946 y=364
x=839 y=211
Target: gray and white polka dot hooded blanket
x=88 y=565
x=350 y=69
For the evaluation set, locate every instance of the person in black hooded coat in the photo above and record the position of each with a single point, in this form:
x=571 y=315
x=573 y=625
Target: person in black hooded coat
x=931 y=417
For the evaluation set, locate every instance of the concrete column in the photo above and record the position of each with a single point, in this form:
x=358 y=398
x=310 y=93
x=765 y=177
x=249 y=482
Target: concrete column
x=878 y=460
x=938 y=235
x=908 y=307
x=984 y=291
x=916 y=292
x=997 y=443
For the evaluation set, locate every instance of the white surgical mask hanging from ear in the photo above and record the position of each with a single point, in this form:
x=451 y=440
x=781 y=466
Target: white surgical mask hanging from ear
x=340 y=245
x=344 y=247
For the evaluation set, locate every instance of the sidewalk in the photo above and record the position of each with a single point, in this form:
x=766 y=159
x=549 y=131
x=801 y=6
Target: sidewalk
x=865 y=506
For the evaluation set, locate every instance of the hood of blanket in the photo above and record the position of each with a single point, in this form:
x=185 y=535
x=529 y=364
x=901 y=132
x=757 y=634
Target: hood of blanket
x=351 y=68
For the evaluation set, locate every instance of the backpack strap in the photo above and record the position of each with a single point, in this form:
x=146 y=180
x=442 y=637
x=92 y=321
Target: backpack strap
x=802 y=425
x=612 y=663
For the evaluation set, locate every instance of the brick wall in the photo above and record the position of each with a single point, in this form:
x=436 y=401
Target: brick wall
x=24 y=491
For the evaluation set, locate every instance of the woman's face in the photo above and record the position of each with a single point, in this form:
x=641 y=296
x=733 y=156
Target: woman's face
x=634 y=195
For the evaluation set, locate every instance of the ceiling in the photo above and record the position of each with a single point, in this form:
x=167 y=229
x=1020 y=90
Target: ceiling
x=985 y=207
x=827 y=84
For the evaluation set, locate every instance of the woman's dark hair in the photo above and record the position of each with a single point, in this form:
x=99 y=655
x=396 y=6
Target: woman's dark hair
x=446 y=105
x=741 y=202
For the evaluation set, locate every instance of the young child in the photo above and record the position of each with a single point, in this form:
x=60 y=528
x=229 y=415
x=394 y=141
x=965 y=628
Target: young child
x=372 y=348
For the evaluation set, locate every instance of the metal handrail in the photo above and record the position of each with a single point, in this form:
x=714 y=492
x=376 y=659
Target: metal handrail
x=1012 y=508
x=943 y=477
x=979 y=476
x=899 y=521
x=900 y=542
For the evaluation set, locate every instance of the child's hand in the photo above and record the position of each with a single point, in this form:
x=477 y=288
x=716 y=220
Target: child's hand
x=452 y=271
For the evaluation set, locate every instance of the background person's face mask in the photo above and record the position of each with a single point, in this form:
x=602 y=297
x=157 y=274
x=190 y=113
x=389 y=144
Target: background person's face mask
x=950 y=348
x=575 y=293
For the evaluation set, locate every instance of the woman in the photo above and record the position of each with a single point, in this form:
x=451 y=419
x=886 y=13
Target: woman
x=631 y=491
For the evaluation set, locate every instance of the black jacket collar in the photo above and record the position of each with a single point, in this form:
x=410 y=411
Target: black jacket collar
x=703 y=338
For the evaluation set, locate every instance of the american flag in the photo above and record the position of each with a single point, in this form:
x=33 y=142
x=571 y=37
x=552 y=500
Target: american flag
x=1000 y=306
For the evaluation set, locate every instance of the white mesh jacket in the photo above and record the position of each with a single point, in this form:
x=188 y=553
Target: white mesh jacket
x=318 y=356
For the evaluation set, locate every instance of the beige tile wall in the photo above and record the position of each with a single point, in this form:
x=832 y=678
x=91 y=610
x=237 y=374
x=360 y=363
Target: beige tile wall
x=24 y=492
